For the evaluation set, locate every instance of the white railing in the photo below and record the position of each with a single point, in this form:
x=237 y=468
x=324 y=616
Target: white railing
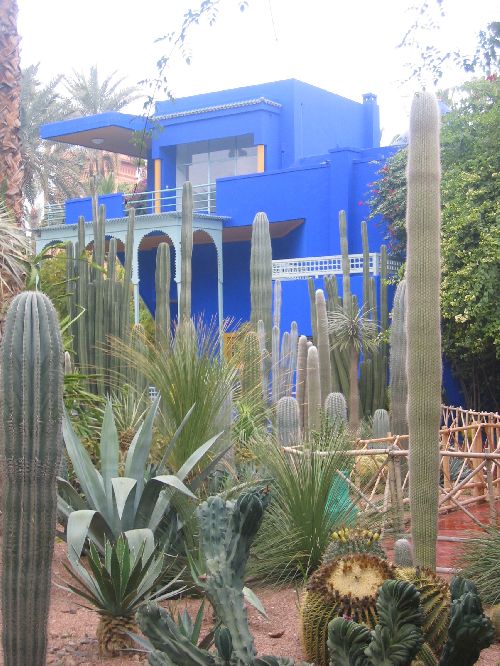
x=302 y=268
x=147 y=203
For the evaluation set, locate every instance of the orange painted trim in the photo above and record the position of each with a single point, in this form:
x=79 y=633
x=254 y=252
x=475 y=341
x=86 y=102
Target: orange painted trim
x=157 y=186
x=261 y=158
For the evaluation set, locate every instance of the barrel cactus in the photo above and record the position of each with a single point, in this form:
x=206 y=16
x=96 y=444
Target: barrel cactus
x=287 y=421
x=348 y=541
x=347 y=586
x=380 y=426
x=403 y=553
x=31 y=404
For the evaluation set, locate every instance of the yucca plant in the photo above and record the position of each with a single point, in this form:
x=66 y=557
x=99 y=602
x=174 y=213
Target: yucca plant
x=479 y=563
x=310 y=501
x=187 y=370
x=111 y=504
x=129 y=572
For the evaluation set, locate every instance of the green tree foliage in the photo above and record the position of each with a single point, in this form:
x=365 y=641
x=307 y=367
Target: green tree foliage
x=470 y=160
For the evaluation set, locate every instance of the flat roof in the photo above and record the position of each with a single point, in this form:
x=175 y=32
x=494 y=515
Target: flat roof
x=113 y=132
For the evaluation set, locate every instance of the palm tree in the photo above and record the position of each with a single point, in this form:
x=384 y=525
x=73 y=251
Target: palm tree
x=10 y=101
x=52 y=169
x=89 y=96
x=14 y=250
x=353 y=331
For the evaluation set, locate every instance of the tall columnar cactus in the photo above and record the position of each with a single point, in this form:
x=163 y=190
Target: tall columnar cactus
x=277 y=304
x=162 y=285
x=186 y=251
x=31 y=403
x=346 y=266
x=104 y=299
x=313 y=390
x=423 y=324
x=398 y=377
x=287 y=421
x=338 y=360
x=251 y=366
x=261 y=280
x=275 y=366
x=314 y=317
x=325 y=370
x=301 y=382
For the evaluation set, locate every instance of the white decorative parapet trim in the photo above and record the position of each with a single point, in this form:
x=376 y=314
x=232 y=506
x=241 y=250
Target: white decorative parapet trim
x=219 y=107
x=305 y=267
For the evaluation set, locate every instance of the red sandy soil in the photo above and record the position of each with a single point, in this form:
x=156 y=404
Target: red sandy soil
x=72 y=629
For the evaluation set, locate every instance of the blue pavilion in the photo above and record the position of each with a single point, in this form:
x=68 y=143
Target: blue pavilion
x=297 y=152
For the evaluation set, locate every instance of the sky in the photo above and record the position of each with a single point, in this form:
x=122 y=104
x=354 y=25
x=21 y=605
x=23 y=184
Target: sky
x=348 y=48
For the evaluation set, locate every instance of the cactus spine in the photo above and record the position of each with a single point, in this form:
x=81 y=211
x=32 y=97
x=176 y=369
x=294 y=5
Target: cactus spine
x=31 y=403
x=423 y=324
x=313 y=391
x=398 y=378
x=287 y=421
x=261 y=281
x=186 y=251
x=162 y=286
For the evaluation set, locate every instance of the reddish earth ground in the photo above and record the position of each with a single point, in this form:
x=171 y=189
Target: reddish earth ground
x=72 y=629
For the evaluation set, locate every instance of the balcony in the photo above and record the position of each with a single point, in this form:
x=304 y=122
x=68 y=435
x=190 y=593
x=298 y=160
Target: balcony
x=118 y=204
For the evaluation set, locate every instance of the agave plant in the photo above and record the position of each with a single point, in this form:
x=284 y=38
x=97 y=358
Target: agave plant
x=112 y=504
x=116 y=583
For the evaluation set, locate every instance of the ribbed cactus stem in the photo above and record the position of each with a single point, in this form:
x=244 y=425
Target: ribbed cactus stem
x=294 y=340
x=325 y=370
x=380 y=426
x=301 y=382
x=277 y=304
x=346 y=266
x=403 y=553
x=284 y=364
x=251 y=370
x=275 y=364
x=314 y=317
x=186 y=251
x=265 y=362
x=336 y=410
x=313 y=391
x=287 y=421
x=398 y=378
x=261 y=280
x=31 y=403
x=162 y=284
x=423 y=324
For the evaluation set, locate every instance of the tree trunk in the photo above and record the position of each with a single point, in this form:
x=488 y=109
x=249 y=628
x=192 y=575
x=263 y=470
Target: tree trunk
x=10 y=104
x=353 y=392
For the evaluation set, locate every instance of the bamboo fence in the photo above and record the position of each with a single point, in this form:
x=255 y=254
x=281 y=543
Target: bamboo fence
x=469 y=470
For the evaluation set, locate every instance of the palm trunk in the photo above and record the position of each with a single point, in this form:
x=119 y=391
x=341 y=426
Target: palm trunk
x=11 y=174
x=353 y=392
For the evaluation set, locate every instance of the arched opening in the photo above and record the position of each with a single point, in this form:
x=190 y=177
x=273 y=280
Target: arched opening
x=204 y=295
x=148 y=248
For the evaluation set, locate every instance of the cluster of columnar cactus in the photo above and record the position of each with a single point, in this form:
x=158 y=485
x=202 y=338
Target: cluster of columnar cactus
x=101 y=299
x=31 y=404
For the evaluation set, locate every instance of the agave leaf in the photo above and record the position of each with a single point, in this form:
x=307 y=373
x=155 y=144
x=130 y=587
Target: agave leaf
x=89 y=478
x=138 y=452
x=69 y=495
x=198 y=480
x=153 y=502
x=254 y=601
x=80 y=524
x=122 y=488
x=170 y=446
x=195 y=457
x=110 y=451
x=136 y=538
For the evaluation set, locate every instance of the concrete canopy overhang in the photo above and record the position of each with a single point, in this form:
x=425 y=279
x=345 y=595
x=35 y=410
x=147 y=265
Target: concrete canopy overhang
x=113 y=132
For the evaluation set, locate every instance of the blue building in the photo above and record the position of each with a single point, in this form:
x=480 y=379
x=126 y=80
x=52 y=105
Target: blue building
x=297 y=152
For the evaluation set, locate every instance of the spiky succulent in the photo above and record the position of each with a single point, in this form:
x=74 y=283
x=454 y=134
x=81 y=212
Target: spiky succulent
x=351 y=541
x=435 y=602
x=345 y=587
x=396 y=638
x=116 y=583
